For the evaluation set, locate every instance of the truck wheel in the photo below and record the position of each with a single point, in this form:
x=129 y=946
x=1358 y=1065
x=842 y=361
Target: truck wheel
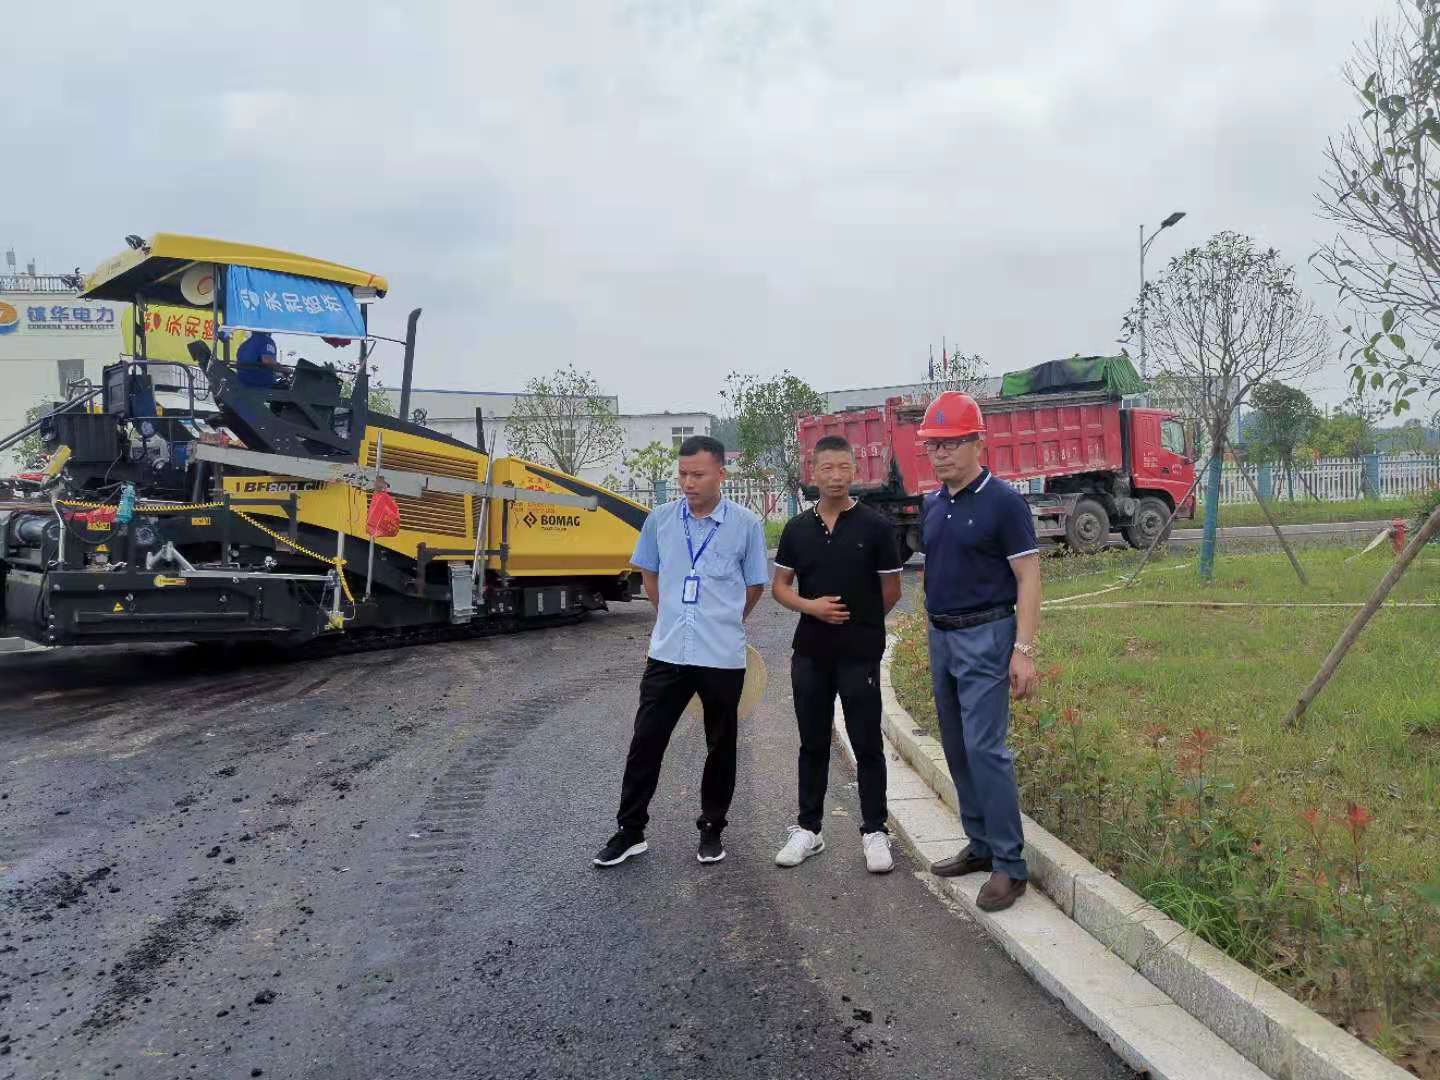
x=1150 y=517
x=1088 y=529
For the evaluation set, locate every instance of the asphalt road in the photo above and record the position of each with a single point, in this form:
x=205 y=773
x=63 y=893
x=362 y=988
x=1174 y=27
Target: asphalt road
x=379 y=866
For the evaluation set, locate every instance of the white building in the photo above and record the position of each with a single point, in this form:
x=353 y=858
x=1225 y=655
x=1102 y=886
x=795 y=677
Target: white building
x=49 y=338
x=642 y=429
x=452 y=412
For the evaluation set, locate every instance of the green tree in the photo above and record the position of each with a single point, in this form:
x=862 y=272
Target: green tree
x=30 y=450
x=1411 y=437
x=1348 y=432
x=727 y=431
x=1223 y=319
x=379 y=397
x=1283 y=418
x=651 y=463
x=1339 y=436
x=765 y=411
x=565 y=421
x=1382 y=189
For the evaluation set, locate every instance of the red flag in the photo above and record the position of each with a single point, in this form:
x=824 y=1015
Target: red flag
x=384 y=519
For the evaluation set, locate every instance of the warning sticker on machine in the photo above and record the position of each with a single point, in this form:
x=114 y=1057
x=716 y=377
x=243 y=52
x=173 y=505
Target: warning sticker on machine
x=163 y=582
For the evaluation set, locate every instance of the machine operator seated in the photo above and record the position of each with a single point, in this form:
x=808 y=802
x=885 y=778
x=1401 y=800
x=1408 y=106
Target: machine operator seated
x=257 y=362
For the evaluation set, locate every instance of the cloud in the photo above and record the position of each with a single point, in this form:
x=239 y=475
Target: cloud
x=664 y=192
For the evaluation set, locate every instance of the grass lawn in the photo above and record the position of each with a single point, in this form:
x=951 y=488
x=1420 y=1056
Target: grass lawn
x=1156 y=748
x=1309 y=512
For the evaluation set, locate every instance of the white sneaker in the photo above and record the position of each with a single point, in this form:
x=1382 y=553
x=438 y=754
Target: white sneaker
x=877 y=853
x=802 y=844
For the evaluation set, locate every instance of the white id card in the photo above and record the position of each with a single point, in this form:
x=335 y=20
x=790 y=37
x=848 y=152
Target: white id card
x=691 y=592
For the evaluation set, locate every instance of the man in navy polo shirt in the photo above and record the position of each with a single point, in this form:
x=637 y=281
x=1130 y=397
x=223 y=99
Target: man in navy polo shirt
x=982 y=593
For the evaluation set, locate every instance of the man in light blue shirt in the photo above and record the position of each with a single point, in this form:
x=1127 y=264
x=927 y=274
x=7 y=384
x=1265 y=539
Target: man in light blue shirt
x=704 y=566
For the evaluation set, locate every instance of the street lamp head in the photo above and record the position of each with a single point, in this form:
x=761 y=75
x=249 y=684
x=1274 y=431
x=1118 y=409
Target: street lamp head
x=1172 y=219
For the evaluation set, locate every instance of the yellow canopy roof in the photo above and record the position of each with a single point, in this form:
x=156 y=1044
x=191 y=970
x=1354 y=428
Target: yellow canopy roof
x=165 y=254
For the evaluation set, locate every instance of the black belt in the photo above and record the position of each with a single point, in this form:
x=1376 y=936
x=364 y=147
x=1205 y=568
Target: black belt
x=971 y=618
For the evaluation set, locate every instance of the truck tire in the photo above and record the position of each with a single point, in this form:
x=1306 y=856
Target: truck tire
x=1150 y=517
x=1087 y=530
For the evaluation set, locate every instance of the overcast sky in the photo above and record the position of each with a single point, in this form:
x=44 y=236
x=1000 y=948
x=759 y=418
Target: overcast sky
x=662 y=191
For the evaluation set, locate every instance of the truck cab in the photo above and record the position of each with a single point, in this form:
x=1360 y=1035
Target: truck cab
x=1133 y=493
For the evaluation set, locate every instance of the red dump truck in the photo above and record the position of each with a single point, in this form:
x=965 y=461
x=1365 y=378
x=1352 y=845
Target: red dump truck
x=1086 y=463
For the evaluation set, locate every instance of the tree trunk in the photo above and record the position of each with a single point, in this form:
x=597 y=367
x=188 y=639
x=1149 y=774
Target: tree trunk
x=1422 y=537
x=1265 y=509
x=1212 y=512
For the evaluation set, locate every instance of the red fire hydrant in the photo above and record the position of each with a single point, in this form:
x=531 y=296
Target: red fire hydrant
x=1397 y=534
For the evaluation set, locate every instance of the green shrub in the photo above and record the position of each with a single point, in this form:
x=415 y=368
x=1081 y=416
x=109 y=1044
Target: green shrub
x=1425 y=506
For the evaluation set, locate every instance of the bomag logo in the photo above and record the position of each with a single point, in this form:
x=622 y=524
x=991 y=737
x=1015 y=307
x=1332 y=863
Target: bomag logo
x=9 y=318
x=538 y=515
x=270 y=487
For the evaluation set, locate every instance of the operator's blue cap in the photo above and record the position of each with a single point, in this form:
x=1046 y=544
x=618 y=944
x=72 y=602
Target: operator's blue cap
x=255 y=348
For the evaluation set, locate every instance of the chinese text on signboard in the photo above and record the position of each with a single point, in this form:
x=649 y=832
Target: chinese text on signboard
x=69 y=317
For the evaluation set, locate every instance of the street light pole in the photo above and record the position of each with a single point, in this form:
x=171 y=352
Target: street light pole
x=1144 y=247
x=1144 y=352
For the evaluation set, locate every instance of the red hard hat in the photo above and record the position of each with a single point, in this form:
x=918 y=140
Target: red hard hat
x=952 y=415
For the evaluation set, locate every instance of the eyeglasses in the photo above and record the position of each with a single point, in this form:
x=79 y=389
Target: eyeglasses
x=949 y=446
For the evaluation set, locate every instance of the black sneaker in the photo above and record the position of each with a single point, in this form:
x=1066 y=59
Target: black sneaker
x=712 y=848
x=620 y=847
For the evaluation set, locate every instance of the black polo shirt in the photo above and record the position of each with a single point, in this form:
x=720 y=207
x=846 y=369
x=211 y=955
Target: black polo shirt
x=846 y=563
x=970 y=538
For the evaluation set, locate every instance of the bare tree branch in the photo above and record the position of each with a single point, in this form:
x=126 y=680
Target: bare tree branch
x=1381 y=188
x=1221 y=320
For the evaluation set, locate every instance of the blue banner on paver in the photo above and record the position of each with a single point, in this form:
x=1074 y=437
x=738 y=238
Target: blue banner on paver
x=284 y=303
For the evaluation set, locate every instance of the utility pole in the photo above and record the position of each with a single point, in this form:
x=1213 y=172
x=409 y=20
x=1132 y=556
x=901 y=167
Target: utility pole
x=1144 y=247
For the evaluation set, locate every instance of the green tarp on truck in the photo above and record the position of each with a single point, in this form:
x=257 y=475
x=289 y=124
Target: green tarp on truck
x=1114 y=374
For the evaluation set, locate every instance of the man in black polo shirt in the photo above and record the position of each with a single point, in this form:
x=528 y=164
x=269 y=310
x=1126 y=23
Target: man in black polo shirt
x=982 y=593
x=849 y=568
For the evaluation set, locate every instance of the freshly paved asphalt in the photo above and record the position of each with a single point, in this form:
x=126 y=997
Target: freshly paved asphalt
x=379 y=866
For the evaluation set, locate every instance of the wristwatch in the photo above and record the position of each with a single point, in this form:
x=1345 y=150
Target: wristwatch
x=1028 y=650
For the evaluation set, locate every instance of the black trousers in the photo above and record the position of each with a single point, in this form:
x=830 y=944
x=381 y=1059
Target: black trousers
x=664 y=692
x=816 y=683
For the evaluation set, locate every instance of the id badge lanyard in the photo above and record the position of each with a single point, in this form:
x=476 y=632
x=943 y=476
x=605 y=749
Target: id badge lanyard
x=691 y=592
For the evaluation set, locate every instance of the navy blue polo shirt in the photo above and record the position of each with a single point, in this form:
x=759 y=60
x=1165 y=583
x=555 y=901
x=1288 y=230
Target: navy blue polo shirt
x=970 y=538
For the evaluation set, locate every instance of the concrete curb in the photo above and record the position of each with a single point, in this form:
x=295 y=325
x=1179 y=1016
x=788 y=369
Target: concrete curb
x=1273 y=1031
x=14 y=646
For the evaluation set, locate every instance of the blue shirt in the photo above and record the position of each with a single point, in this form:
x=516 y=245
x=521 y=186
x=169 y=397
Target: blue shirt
x=970 y=538
x=709 y=633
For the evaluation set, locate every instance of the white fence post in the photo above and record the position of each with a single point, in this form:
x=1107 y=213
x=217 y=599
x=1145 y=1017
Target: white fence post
x=1338 y=479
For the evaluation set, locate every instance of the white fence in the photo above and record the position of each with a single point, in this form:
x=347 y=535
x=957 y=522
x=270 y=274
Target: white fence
x=1383 y=476
x=1379 y=476
x=768 y=501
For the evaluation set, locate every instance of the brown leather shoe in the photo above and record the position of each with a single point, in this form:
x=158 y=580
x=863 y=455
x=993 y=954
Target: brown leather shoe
x=961 y=863
x=1000 y=892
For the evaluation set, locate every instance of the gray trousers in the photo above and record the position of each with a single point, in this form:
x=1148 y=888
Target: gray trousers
x=970 y=675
